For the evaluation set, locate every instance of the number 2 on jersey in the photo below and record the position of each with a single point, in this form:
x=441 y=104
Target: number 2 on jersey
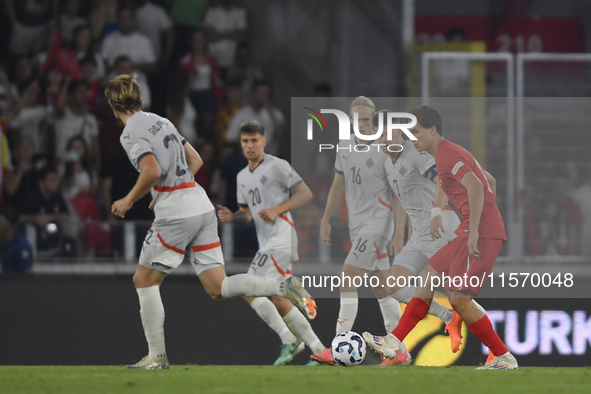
x=174 y=138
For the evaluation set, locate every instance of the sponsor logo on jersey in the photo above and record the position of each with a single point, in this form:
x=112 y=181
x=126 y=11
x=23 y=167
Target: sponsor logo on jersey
x=458 y=165
x=133 y=151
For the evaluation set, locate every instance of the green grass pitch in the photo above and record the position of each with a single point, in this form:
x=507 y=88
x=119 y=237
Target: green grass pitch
x=291 y=379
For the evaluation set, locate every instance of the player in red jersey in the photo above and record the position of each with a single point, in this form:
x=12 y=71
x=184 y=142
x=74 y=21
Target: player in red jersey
x=472 y=254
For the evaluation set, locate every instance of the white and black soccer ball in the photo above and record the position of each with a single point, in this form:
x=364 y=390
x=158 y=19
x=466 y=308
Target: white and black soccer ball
x=348 y=349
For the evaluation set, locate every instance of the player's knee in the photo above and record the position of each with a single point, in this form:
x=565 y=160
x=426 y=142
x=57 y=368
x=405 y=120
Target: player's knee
x=139 y=280
x=459 y=304
x=283 y=305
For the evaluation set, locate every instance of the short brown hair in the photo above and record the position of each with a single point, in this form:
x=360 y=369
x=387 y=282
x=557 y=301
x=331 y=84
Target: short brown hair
x=125 y=94
x=427 y=117
x=252 y=127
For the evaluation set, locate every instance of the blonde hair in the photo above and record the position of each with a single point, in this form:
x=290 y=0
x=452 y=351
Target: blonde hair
x=362 y=101
x=125 y=94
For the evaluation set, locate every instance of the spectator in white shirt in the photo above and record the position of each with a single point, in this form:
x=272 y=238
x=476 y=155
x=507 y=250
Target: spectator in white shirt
x=128 y=41
x=73 y=119
x=263 y=112
x=30 y=119
x=226 y=25
x=153 y=21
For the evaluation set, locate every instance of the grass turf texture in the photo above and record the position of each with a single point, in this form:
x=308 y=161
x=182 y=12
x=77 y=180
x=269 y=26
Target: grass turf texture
x=291 y=379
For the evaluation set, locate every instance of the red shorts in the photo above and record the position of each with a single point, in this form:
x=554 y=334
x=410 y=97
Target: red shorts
x=454 y=260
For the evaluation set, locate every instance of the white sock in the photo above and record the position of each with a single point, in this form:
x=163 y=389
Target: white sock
x=267 y=311
x=152 y=314
x=251 y=286
x=391 y=313
x=407 y=293
x=300 y=326
x=348 y=311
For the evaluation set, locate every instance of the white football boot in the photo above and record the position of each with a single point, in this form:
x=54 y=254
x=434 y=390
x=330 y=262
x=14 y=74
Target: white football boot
x=149 y=363
x=506 y=361
x=387 y=345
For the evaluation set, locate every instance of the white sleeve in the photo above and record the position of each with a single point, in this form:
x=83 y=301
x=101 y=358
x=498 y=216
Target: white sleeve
x=424 y=163
x=135 y=147
x=286 y=175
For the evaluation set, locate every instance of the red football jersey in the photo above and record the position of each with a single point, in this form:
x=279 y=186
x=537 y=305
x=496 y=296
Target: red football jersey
x=453 y=162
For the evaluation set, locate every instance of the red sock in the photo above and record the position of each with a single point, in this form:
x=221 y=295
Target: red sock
x=415 y=311
x=484 y=331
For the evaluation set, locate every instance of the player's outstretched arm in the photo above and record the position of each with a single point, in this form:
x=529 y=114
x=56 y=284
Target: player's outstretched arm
x=150 y=172
x=194 y=161
x=475 y=190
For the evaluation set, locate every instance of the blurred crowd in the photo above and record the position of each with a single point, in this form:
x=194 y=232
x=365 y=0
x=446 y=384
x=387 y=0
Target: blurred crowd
x=556 y=202
x=62 y=162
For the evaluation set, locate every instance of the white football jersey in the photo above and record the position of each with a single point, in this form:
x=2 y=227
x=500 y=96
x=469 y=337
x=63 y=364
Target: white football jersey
x=369 y=198
x=410 y=176
x=267 y=186
x=176 y=194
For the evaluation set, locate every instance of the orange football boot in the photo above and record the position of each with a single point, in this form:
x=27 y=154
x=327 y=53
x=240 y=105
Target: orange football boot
x=454 y=328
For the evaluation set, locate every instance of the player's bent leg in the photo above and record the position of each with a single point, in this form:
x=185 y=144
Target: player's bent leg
x=290 y=345
x=405 y=294
x=219 y=286
x=299 y=325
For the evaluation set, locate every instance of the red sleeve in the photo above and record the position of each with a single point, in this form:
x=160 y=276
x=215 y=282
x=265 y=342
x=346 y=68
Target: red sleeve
x=455 y=164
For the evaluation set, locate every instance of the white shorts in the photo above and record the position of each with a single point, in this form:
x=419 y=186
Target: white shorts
x=169 y=241
x=369 y=252
x=416 y=253
x=271 y=264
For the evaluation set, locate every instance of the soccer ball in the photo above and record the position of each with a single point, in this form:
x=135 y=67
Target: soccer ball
x=348 y=349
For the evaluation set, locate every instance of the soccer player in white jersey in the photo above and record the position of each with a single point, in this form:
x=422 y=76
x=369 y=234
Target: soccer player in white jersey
x=264 y=187
x=359 y=173
x=185 y=223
